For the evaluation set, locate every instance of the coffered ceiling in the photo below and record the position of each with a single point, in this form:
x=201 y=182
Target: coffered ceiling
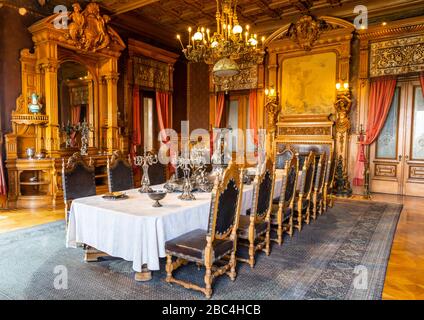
x=164 y=19
x=161 y=20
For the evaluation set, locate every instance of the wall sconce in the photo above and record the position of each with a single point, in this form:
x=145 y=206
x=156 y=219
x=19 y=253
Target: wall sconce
x=344 y=86
x=270 y=92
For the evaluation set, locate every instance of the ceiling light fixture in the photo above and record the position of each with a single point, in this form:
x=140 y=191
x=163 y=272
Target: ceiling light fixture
x=227 y=46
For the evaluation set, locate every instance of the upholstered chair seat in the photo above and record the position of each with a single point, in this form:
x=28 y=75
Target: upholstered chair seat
x=305 y=203
x=243 y=231
x=192 y=245
x=286 y=214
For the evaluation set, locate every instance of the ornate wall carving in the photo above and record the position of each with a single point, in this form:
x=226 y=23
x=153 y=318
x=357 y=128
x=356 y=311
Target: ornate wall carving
x=245 y=80
x=307 y=30
x=151 y=74
x=304 y=131
x=88 y=29
x=397 y=56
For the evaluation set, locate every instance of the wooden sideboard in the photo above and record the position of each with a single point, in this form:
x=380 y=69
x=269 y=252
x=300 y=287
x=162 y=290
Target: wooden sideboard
x=38 y=183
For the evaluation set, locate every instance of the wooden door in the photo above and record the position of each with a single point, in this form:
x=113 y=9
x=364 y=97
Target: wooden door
x=397 y=157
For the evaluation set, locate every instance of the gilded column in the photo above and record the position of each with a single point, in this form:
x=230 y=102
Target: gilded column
x=51 y=142
x=112 y=111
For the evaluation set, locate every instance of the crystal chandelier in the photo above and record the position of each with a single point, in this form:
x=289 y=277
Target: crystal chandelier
x=227 y=46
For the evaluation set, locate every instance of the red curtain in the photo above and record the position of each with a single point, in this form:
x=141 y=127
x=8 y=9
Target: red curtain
x=75 y=114
x=3 y=189
x=136 y=137
x=381 y=95
x=253 y=113
x=162 y=108
x=219 y=108
x=422 y=81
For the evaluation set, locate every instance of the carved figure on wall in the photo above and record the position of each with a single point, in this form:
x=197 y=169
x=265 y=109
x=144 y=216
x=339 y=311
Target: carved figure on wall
x=343 y=106
x=306 y=31
x=88 y=30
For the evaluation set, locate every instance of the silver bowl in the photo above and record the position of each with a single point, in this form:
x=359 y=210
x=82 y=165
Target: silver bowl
x=157 y=195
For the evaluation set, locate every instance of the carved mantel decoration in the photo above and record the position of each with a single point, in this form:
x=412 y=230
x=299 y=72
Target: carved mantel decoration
x=397 y=56
x=307 y=30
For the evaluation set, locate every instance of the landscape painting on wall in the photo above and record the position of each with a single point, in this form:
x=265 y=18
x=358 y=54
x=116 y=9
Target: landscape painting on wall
x=308 y=84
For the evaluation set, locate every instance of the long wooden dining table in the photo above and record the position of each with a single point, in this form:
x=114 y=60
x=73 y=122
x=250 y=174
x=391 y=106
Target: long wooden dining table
x=135 y=231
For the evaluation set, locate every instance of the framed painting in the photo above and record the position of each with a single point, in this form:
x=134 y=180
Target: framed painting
x=309 y=84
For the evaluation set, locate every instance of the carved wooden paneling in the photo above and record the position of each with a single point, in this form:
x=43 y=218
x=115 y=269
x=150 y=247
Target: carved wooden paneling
x=416 y=172
x=397 y=56
x=385 y=170
x=151 y=74
x=304 y=131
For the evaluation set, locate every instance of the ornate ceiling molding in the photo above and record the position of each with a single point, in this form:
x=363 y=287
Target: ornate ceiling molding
x=306 y=31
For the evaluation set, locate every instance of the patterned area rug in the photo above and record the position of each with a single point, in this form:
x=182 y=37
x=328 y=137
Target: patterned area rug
x=342 y=255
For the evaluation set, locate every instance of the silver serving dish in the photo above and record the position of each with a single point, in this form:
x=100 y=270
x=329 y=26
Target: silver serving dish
x=157 y=195
x=115 y=196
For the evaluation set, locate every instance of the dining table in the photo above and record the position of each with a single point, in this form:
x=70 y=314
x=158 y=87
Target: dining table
x=134 y=230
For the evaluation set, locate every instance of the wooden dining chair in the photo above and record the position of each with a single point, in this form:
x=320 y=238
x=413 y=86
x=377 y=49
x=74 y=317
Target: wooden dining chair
x=119 y=172
x=319 y=179
x=282 y=213
x=78 y=180
x=329 y=181
x=255 y=228
x=216 y=244
x=303 y=198
x=282 y=157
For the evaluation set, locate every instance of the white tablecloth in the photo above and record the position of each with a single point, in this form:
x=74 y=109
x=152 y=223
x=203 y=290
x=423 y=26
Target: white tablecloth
x=133 y=230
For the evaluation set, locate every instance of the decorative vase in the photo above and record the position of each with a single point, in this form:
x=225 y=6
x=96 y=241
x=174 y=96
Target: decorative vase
x=35 y=106
x=30 y=153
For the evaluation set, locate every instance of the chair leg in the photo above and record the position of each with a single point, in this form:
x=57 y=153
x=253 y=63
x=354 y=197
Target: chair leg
x=324 y=199
x=233 y=262
x=208 y=281
x=299 y=214
x=280 y=233
x=251 y=254
x=291 y=226
x=314 y=214
x=268 y=241
x=169 y=268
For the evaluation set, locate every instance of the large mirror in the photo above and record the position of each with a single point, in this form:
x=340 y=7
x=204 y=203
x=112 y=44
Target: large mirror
x=75 y=97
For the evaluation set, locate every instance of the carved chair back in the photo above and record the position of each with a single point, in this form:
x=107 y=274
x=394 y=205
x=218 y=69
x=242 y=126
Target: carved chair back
x=290 y=180
x=120 y=173
x=282 y=157
x=329 y=173
x=320 y=165
x=157 y=173
x=78 y=178
x=307 y=175
x=263 y=191
x=226 y=204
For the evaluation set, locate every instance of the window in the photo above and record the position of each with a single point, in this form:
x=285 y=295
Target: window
x=148 y=122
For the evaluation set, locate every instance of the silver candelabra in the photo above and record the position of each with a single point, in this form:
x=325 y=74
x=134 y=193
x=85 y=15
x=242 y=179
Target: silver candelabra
x=187 y=164
x=145 y=161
